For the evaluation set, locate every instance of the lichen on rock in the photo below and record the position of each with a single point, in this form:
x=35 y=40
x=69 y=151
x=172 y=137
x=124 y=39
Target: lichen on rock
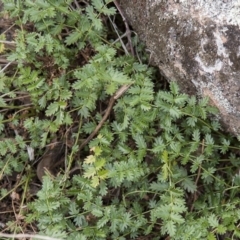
x=196 y=43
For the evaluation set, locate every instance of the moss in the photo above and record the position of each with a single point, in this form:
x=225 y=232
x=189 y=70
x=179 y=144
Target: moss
x=232 y=44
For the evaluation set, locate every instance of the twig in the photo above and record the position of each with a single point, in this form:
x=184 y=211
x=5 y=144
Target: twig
x=117 y=95
x=119 y=37
x=128 y=31
x=8 y=42
x=4 y=61
x=77 y=5
x=120 y=92
x=5 y=67
x=31 y=236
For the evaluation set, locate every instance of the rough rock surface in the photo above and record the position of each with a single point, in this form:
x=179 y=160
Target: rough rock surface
x=197 y=44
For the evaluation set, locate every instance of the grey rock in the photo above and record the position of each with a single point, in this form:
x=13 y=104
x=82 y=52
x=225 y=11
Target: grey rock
x=197 y=44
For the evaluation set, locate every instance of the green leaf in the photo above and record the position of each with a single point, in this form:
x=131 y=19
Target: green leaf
x=176 y=147
x=95 y=181
x=2 y=83
x=215 y=125
x=31 y=39
x=165 y=171
x=2 y=102
x=165 y=156
x=175 y=112
x=52 y=108
x=89 y=127
x=73 y=37
x=59 y=117
x=225 y=147
x=146 y=106
x=177 y=218
x=98 y=4
x=221 y=229
x=20 y=141
x=103 y=174
x=124 y=149
x=212 y=109
x=90 y=172
x=203 y=102
x=90 y=159
x=159 y=145
x=118 y=77
x=97 y=151
x=181 y=99
x=11 y=145
x=207 y=175
x=211 y=236
x=73 y=208
x=97 y=212
x=196 y=135
x=209 y=140
x=99 y=164
x=111 y=88
x=213 y=221
x=67 y=118
x=189 y=185
x=202 y=112
x=79 y=221
x=139 y=67
x=174 y=88
x=96 y=22
x=191 y=121
x=192 y=101
x=49 y=43
x=166 y=96
x=140 y=141
x=170 y=227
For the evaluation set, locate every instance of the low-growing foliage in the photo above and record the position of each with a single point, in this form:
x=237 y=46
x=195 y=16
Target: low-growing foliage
x=160 y=165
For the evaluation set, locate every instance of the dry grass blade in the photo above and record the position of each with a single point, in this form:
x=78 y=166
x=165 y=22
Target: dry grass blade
x=24 y=236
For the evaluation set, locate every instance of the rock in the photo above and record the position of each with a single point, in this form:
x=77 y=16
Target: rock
x=197 y=44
